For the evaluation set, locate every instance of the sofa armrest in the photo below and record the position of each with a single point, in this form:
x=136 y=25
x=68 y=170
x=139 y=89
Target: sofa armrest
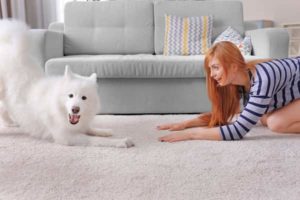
x=270 y=42
x=57 y=26
x=45 y=45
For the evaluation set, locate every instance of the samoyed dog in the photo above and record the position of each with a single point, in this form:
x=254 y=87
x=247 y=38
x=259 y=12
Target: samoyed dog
x=56 y=108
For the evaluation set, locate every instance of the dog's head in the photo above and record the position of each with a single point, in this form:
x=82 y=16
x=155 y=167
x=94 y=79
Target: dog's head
x=80 y=97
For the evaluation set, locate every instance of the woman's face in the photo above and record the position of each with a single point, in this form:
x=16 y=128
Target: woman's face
x=218 y=74
x=217 y=71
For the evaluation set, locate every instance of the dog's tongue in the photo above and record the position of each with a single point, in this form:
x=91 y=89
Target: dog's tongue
x=74 y=119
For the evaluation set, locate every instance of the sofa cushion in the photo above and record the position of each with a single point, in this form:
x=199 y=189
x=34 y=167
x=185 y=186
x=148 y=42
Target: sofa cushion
x=109 y=27
x=225 y=13
x=130 y=66
x=187 y=35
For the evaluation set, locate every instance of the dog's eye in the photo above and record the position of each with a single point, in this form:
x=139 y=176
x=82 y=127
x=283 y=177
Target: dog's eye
x=83 y=98
x=71 y=95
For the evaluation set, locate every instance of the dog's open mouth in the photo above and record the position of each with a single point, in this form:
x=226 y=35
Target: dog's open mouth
x=74 y=119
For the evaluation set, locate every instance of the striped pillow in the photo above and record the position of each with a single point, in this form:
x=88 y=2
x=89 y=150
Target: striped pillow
x=187 y=35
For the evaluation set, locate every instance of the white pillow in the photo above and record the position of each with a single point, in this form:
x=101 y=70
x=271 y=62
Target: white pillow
x=233 y=36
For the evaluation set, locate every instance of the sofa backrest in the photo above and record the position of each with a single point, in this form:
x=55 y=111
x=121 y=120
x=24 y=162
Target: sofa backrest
x=225 y=13
x=109 y=27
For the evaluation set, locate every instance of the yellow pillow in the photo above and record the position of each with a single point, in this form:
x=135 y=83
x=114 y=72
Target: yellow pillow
x=187 y=35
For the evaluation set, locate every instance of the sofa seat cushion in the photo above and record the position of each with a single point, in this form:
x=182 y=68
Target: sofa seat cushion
x=132 y=66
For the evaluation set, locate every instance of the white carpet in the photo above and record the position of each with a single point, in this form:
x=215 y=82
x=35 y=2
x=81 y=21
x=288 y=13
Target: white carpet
x=262 y=166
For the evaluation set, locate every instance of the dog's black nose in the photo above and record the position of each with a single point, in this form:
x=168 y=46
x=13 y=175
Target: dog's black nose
x=75 y=109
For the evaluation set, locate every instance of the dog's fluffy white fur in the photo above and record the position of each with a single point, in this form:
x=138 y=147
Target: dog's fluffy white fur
x=56 y=108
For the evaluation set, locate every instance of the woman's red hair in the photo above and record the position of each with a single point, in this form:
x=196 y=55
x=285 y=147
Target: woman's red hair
x=226 y=99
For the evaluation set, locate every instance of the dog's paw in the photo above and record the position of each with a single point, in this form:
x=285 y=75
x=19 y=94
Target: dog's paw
x=9 y=125
x=106 y=132
x=125 y=143
x=100 y=132
x=13 y=125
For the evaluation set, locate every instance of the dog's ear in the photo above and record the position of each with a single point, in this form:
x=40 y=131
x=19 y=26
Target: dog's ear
x=93 y=77
x=68 y=72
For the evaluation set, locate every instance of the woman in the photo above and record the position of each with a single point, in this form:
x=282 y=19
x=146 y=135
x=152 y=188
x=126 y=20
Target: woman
x=272 y=87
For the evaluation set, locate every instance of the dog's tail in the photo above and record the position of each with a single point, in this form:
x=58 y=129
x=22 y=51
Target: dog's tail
x=18 y=67
x=14 y=39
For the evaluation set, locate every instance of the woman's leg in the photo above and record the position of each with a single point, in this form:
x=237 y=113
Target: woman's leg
x=285 y=119
x=264 y=118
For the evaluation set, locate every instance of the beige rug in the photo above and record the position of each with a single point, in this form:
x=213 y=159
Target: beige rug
x=262 y=166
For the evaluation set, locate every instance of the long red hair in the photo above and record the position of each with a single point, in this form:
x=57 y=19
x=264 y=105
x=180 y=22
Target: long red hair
x=226 y=99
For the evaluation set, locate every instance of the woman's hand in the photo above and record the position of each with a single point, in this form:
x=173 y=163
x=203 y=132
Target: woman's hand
x=175 y=137
x=172 y=127
x=193 y=134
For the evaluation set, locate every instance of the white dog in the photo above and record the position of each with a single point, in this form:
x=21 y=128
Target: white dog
x=57 y=108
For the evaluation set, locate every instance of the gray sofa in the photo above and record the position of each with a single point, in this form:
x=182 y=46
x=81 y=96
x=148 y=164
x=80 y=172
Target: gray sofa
x=122 y=41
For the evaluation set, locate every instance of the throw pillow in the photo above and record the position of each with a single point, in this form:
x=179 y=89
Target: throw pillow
x=233 y=36
x=245 y=46
x=187 y=35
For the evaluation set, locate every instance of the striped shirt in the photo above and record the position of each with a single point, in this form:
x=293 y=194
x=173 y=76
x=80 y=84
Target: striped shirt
x=275 y=84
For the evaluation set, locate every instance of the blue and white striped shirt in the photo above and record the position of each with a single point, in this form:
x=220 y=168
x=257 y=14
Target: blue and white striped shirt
x=275 y=84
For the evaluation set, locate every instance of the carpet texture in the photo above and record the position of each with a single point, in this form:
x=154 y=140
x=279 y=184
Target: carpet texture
x=264 y=165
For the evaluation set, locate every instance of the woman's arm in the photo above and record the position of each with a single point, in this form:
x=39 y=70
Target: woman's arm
x=193 y=134
x=196 y=122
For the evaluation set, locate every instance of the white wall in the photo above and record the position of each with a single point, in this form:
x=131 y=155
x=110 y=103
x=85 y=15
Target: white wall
x=279 y=11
